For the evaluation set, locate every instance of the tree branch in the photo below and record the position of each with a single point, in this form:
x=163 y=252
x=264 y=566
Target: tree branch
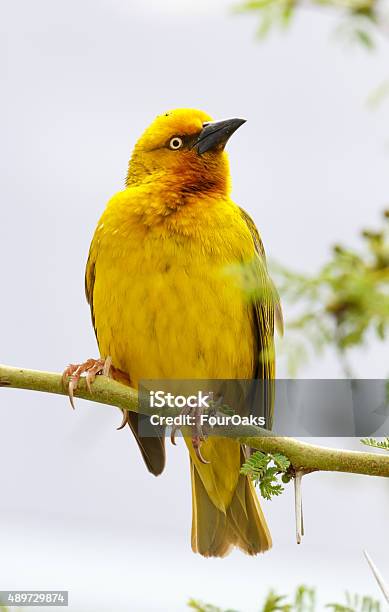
x=301 y=455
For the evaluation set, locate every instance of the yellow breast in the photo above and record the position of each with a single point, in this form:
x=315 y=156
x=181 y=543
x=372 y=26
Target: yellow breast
x=164 y=300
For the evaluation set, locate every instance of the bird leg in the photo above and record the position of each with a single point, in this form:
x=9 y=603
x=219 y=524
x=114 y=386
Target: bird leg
x=91 y=368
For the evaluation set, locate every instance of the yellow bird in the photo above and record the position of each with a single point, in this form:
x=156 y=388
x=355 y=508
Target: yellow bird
x=165 y=306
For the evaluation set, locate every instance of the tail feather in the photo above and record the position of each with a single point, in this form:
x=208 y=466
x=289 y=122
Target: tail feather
x=153 y=447
x=215 y=533
x=209 y=524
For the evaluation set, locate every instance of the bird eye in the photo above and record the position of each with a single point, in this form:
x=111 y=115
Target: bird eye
x=176 y=143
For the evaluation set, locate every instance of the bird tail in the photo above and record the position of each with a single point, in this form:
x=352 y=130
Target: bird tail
x=215 y=533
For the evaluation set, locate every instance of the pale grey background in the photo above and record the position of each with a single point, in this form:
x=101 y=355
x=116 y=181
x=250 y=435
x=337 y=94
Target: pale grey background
x=81 y=79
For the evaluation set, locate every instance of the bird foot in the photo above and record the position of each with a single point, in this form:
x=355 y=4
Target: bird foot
x=91 y=368
x=125 y=420
x=198 y=435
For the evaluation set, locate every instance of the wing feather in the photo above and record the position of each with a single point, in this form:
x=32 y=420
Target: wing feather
x=152 y=448
x=267 y=314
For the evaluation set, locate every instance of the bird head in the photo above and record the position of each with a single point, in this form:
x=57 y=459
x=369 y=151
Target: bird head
x=184 y=149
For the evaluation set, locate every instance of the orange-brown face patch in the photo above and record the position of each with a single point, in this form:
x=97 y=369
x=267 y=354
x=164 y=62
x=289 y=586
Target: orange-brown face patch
x=182 y=169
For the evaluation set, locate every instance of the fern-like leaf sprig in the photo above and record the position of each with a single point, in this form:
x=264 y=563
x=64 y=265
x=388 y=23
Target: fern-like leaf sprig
x=265 y=469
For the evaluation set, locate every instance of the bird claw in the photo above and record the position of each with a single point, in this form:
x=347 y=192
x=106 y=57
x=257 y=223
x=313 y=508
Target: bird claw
x=175 y=428
x=101 y=367
x=71 y=387
x=173 y=435
x=198 y=435
x=91 y=367
x=196 y=443
x=124 y=420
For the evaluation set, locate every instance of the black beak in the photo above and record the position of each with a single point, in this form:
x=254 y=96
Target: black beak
x=215 y=134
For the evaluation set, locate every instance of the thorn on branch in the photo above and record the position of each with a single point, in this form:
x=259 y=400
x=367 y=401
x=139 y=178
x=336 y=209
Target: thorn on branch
x=298 y=502
x=298 y=505
x=381 y=583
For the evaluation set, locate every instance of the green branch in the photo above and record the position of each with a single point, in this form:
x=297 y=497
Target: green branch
x=303 y=456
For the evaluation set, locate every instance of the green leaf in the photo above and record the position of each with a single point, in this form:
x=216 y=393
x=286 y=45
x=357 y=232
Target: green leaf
x=374 y=443
x=264 y=469
x=364 y=38
x=281 y=461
